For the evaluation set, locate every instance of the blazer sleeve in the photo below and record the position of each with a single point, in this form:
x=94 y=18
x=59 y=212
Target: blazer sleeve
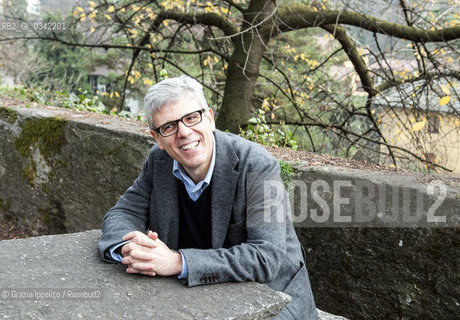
x=130 y=213
x=260 y=257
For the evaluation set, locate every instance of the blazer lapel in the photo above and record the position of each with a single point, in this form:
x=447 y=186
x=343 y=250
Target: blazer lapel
x=224 y=180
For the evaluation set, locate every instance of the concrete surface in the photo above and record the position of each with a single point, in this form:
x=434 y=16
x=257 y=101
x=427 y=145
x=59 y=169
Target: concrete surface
x=62 y=277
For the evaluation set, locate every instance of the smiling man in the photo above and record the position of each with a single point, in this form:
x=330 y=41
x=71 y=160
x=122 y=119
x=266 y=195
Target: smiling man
x=207 y=201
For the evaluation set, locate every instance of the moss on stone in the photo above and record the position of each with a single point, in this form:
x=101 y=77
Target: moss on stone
x=116 y=150
x=8 y=114
x=46 y=134
x=5 y=205
x=30 y=173
x=45 y=215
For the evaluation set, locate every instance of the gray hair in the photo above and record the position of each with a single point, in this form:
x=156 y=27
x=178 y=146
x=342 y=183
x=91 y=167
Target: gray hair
x=172 y=90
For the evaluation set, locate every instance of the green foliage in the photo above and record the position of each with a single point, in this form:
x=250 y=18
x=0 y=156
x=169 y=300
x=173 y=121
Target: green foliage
x=21 y=93
x=287 y=172
x=80 y=102
x=259 y=131
x=61 y=66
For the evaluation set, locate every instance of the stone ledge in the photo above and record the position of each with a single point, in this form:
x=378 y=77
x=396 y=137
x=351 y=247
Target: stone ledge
x=62 y=277
x=70 y=263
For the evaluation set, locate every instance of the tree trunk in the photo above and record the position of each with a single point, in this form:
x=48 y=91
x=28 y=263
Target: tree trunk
x=243 y=68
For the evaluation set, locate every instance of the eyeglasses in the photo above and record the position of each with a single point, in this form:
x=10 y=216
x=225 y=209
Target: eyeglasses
x=189 y=120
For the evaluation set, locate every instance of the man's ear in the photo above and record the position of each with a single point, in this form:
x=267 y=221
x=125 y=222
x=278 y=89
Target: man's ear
x=210 y=117
x=156 y=137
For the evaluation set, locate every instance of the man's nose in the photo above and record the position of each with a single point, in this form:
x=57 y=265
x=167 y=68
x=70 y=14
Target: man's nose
x=182 y=129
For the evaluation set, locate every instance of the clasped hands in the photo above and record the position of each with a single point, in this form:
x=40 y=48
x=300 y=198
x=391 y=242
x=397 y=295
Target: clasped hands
x=147 y=254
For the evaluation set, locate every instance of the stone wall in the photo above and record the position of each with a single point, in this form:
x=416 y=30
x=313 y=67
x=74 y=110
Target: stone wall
x=377 y=246
x=60 y=171
x=400 y=264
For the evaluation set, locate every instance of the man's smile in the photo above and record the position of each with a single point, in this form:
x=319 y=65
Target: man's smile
x=190 y=146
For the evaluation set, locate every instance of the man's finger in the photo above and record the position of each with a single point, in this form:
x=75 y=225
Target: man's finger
x=139 y=238
x=130 y=260
x=136 y=256
x=143 y=266
x=134 y=270
x=131 y=235
x=152 y=235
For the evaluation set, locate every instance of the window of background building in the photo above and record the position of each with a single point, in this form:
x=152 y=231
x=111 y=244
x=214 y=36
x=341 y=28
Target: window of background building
x=433 y=124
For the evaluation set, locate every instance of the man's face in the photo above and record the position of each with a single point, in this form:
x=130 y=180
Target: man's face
x=190 y=146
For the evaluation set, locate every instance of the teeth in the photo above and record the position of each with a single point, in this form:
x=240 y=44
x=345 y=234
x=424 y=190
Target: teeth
x=190 y=146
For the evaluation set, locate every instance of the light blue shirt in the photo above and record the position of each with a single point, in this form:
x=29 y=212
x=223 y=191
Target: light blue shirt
x=194 y=192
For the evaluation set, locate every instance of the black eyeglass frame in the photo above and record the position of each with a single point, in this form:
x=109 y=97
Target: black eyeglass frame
x=181 y=120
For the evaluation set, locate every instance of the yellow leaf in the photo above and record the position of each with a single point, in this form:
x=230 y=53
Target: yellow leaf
x=107 y=17
x=92 y=29
x=445 y=89
x=444 y=100
x=418 y=125
x=266 y=105
x=123 y=10
x=80 y=9
x=111 y=9
x=117 y=94
x=92 y=4
x=148 y=82
x=82 y=17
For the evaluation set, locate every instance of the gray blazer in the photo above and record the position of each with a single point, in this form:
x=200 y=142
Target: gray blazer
x=245 y=247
